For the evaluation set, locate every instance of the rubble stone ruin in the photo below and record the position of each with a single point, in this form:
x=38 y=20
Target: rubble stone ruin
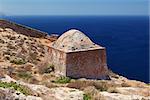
x=74 y=55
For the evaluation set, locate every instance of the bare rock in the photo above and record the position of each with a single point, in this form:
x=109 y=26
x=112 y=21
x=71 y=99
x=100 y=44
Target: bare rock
x=66 y=93
x=15 y=95
x=134 y=90
x=1 y=29
x=9 y=30
x=118 y=96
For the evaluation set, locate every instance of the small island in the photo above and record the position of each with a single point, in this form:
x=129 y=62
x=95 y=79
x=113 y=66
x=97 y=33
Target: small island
x=37 y=66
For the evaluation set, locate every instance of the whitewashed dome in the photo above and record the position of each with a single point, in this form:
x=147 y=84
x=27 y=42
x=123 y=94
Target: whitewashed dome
x=74 y=40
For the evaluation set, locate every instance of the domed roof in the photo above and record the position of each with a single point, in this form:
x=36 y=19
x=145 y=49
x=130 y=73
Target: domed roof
x=74 y=40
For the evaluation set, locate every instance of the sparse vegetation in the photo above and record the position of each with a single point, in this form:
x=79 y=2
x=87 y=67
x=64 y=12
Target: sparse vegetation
x=86 y=97
x=102 y=86
x=15 y=86
x=33 y=80
x=18 y=61
x=93 y=93
x=32 y=56
x=24 y=75
x=45 y=67
x=62 y=80
x=49 y=84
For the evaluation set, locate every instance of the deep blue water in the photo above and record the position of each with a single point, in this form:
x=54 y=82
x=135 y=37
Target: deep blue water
x=126 y=38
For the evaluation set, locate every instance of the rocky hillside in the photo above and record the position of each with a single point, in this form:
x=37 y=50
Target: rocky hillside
x=21 y=29
x=26 y=74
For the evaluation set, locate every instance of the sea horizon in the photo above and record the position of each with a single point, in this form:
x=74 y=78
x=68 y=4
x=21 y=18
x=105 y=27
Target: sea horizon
x=76 y=15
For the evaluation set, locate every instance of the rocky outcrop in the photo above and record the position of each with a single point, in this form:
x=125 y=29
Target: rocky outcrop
x=118 y=96
x=10 y=94
x=21 y=56
x=134 y=90
x=40 y=92
x=98 y=90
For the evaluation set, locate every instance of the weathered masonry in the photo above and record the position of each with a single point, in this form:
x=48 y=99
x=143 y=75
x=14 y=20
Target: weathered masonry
x=75 y=55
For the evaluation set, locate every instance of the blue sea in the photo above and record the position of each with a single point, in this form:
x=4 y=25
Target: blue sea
x=126 y=38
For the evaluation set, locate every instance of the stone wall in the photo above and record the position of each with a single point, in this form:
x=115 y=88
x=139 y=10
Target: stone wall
x=22 y=29
x=58 y=59
x=90 y=64
x=87 y=64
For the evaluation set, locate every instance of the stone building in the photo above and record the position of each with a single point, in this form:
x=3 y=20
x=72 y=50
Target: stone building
x=74 y=55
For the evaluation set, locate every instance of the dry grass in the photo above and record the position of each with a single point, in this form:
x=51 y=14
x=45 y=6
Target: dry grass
x=80 y=84
x=33 y=80
x=99 y=85
x=45 y=67
x=102 y=86
x=93 y=93
x=2 y=94
x=124 y=84
x=112 y=90
x=24 y=75
x=49 y=84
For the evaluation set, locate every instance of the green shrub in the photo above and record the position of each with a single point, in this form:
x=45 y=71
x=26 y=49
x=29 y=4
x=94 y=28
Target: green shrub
x=24 y=75
x=62 y=80
x=15 y=86
x=86 y=97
